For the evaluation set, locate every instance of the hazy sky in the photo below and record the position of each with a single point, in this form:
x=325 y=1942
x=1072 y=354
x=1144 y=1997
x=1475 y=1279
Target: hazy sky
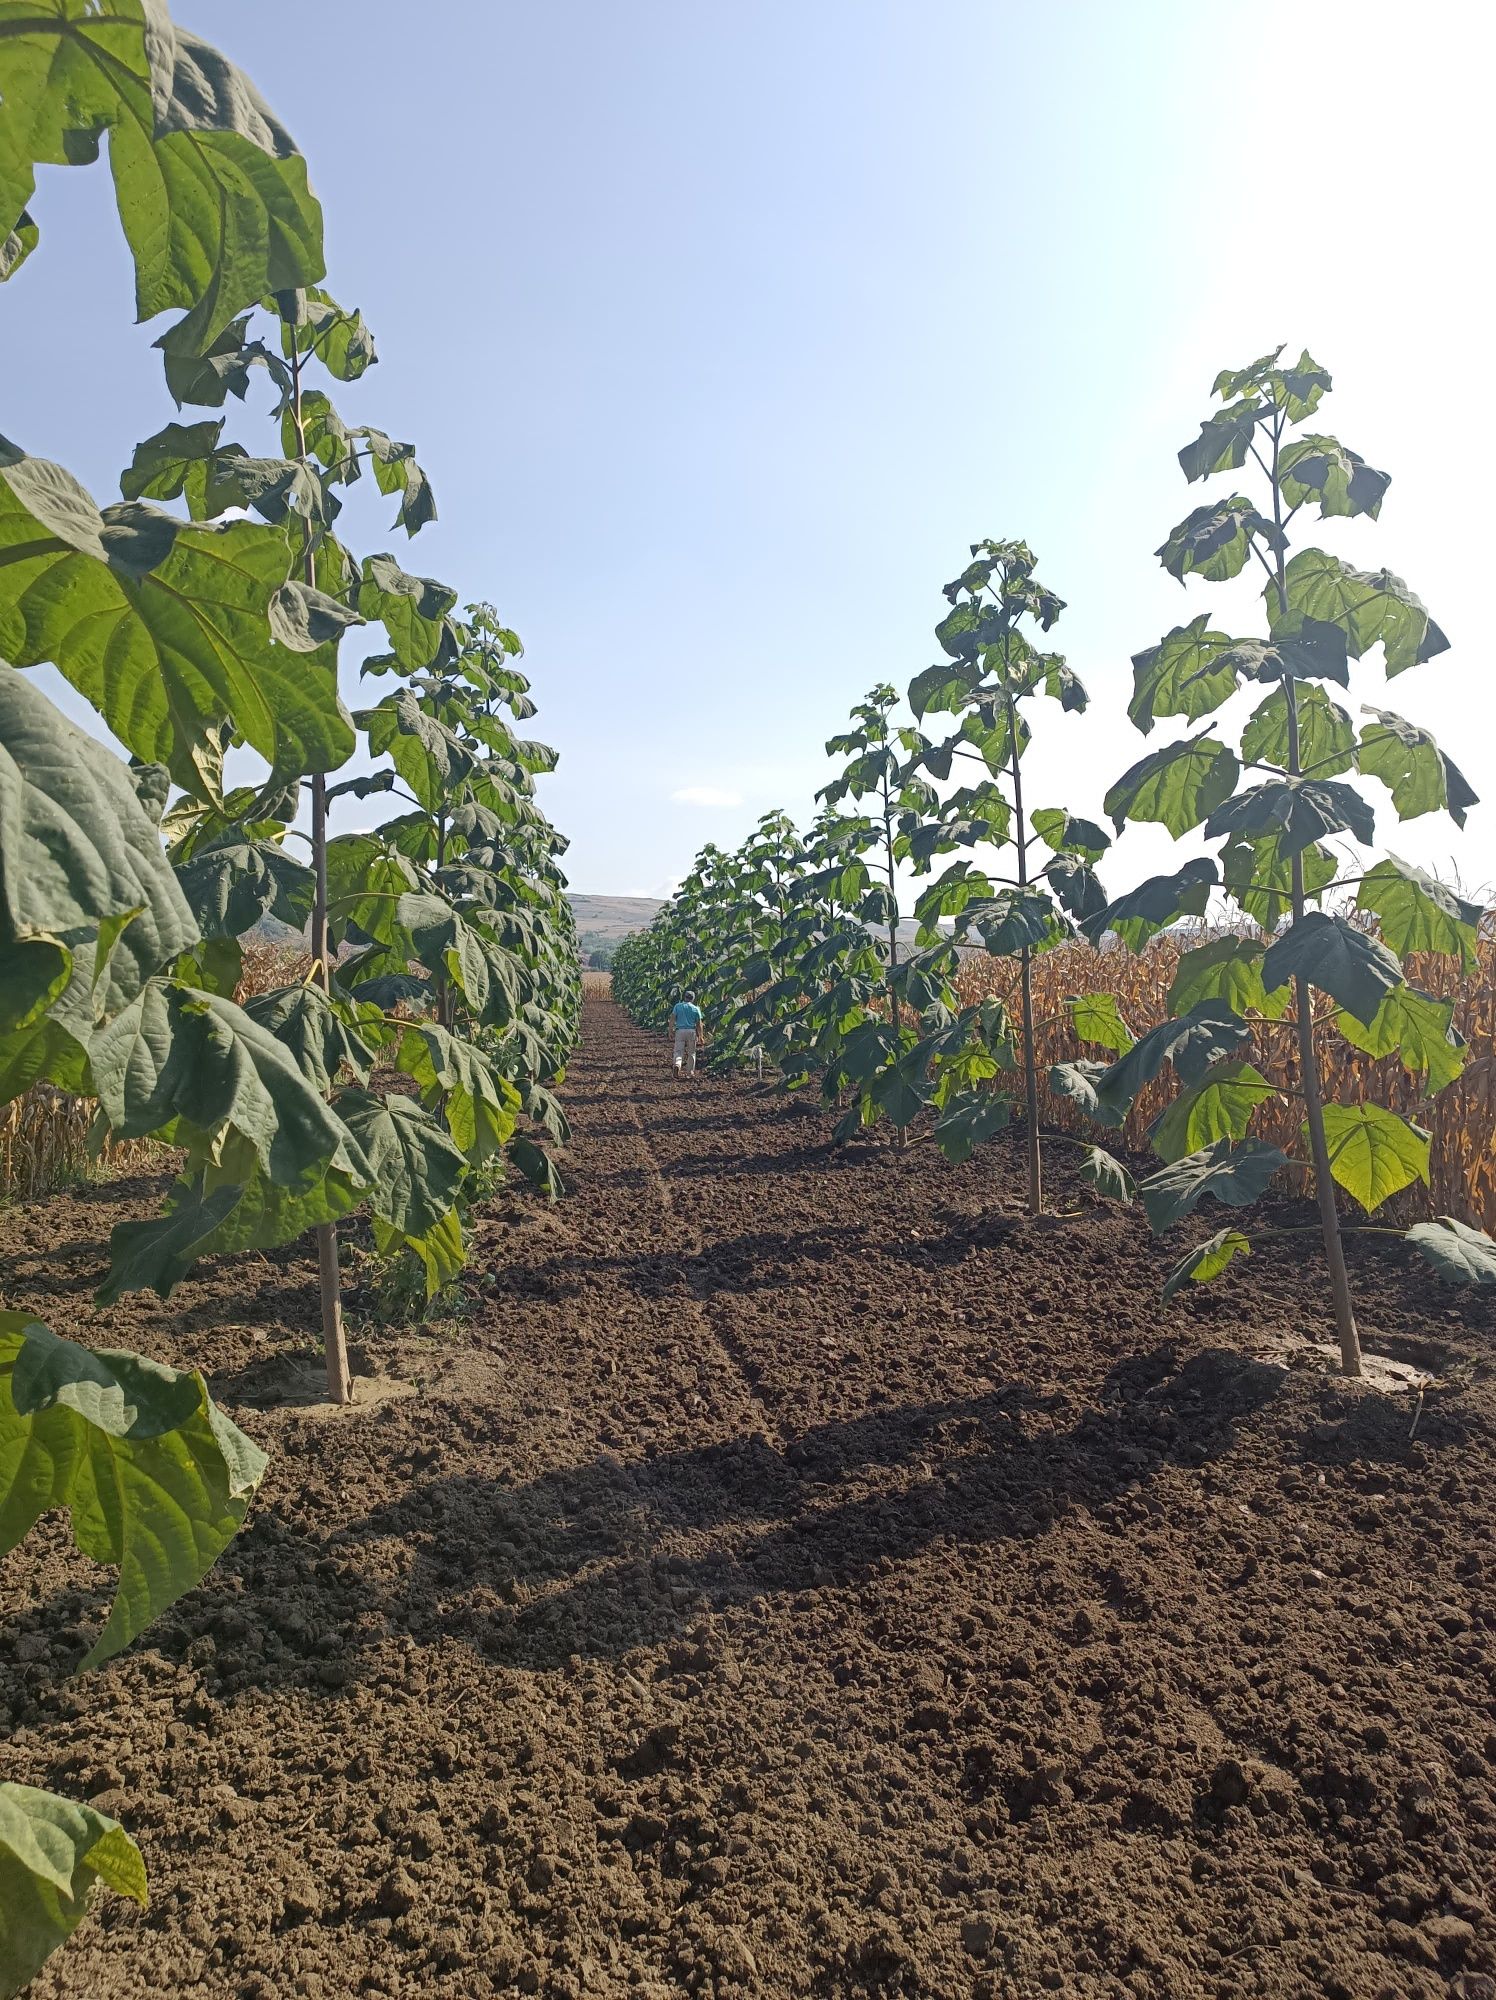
x=723 y=331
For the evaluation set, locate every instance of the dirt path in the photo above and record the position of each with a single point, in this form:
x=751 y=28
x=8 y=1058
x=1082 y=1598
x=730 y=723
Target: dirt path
x=799 y=1576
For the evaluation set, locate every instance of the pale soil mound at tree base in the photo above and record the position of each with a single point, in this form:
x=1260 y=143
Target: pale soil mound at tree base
x=798 y=1577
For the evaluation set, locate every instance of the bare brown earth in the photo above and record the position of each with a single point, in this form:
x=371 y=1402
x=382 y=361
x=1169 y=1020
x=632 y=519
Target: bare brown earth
x=799 y=1575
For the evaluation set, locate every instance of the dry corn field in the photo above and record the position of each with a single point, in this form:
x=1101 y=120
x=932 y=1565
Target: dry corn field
x=1462 y=1118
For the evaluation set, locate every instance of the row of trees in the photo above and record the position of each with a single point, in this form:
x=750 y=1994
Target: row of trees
x=796 y=939
x=200 y=617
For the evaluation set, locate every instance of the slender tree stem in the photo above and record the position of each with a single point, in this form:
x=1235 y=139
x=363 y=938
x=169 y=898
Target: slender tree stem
x=1314 y=1112
x=893 y=929
x=334 y=1343
x=1025 y=975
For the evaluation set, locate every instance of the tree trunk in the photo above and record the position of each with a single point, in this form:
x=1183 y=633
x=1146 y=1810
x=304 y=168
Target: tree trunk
x=1026 y=993
x=334 y=1344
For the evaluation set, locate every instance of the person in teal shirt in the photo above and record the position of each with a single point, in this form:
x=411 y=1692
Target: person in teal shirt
x=685 y=1018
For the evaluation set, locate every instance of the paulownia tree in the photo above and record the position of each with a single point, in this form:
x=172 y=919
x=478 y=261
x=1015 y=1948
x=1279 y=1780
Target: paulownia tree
x=1276 y=802
x=992 y=672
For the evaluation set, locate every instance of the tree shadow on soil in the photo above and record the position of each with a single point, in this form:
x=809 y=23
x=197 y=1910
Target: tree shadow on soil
x=598 y=1559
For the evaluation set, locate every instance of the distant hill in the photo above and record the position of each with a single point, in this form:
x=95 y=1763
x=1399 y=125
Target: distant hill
x=607 y=920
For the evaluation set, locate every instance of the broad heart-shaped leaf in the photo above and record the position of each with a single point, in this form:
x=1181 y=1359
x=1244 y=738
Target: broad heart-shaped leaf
x=1371 y=607
x=1155 y=904
x=1236 y=1174
x=173 y=461
x=968 y=1121
x=1216 y=540
x=304 y=1021
x=77 y=851
x=1459 y=1254
x=163 y=626
x=416 y=1167
x=1313 y=465
x=212 y=194
x=1180 y=785
x=1414 y=1026
x=1184 y=674
x=1259 y=876
x=197 y=1063
x=156 y=1479
x=231 y=887
x=1374 y=1153
x=413 y=611
x=428 y=755
x=1354 y=968
x=1297 y=812
x=1228 y=970
x=1206 y=1260
x=537 y=1166
x=943 y=688
x=304 y=619
x=1076 y=885
x=1207 y=1034
x=364 y=884
x=1327 y=736
x=52 y=1851
x=1411 y=765
x=1012 y=919
x=1066 y=834
x=1417 y=913
x=1104 y=1172
x=1304 y=647
x=480 y=1105
x=1219 y=1106
x=338 y=338
x=439 y=1249
x=1097 y=1018
x=1224 y=440
x=1077 y=1082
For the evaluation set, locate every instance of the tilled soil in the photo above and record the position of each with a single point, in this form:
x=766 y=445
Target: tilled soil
x=801 y=1574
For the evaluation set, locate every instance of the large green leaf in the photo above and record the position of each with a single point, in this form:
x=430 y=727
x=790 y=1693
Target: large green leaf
x=1414 y=1026
x=1313 y=466
x=1459 y=1254
x=1206 y=1260
x=193 y=1061
x=1184 y=674
x=1066 y=834
x=234 y=885
x=212 y=194
x=479 y=1104
x=1014 y=918
x=1326 y=734
x=1224 y=440
x=1373 y=1153
x=305 y=1022
x=52 y=1851
x=1295 y=812
x=1259 y=876
x=416 y=1168
x=1180 y=785
x=155 y=1478
x=1105 y=1172
x=163 y=626
x=1371 y=607
x=1097 y=1018
x=1415 y=770
x=1229 y=970
x=1418 y=913
x=968 y=1120
x=1078 y=1082
x=78 y=854
x=1218 y=1106
x=1156 y=903
x=429 y=756
x=439 y=1248
x=1233 y=1173
x=1206 y=1035
x=413 y=611
x=1354 y=968
x=1216 y=540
